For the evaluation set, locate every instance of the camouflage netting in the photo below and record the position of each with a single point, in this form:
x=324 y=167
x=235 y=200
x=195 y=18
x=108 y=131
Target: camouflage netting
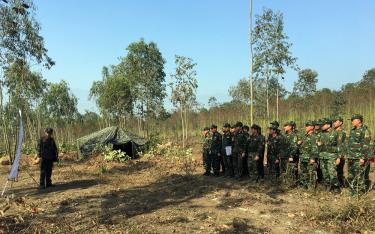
x=110 y=135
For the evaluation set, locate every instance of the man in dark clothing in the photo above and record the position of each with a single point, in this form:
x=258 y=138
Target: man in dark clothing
x=215 y=149
x=246 y=132
x=48 y=153
x=227 y=150
x=256 y=152
x=239 y=150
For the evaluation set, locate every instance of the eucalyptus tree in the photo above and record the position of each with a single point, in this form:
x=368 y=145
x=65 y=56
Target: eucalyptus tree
x=184 y=86
x=272 y=53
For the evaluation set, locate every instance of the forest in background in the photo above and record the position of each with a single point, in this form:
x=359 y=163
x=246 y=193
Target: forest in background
x=132 y=93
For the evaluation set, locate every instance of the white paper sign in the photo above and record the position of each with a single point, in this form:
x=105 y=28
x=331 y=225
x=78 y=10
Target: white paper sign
x=228 y=150
x=14 y=171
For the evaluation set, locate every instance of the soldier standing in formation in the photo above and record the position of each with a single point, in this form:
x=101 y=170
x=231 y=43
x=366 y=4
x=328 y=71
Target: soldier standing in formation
x=274 y=144
x=227 y=150
x=309 y=153
x=239 y=150
x=255 y=149
x=291 y=148
x=360 y=150
x=206 y=151
x=329 y=154
x=216 y=149
x=337 y=125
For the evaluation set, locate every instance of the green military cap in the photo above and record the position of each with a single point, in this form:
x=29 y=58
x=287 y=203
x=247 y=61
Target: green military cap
x=213 y=126
x=310 y=123
x=206 y=129
x=226 y=125
x=319 y=122
x=275 y=123
x=326 y=121
x=246 y=127
x=356 y=116
x=338 y=118
x=238 y=125
x=290 y=123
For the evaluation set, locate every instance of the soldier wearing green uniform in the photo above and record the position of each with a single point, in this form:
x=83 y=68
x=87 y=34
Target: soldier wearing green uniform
x=317 y=130
x=206 y=151
x=290 y=148
x=216 y=149
x=239 y=150
x=337 y=125
x=329 y=152
x=246 y=132
x=227 y=150
x=308 y=156
x=274 y=151
x=360 y=149
x=255 y=148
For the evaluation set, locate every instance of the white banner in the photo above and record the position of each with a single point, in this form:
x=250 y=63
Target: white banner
x=14 y=171
x=228 y=150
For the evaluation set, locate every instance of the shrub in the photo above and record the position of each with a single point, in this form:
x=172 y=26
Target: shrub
x=115 y=155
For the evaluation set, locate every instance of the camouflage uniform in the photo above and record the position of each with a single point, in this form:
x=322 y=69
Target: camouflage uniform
x=255 y=147
x=329 y=152
x=317 y=159
x=309 y=151
x=274 y=153
x=341 y=142
x=359 y=147
x=245 y=170
x=291 y=150
x=228 y=159
x=206 y=153
x=216 y=152
x=239 y=150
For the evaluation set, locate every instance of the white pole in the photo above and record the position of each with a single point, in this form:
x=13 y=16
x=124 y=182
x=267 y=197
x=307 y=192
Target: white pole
x=251 y=65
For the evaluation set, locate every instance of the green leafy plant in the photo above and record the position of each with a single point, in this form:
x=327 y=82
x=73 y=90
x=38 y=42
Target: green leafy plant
x=115 y=155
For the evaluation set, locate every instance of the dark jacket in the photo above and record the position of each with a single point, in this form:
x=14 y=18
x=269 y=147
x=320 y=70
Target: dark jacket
x=47 y=149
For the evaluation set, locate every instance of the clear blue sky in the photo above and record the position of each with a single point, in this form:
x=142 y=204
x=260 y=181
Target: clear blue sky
x=336 y=38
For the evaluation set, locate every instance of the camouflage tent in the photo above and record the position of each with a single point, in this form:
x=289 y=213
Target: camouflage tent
x=118 y=137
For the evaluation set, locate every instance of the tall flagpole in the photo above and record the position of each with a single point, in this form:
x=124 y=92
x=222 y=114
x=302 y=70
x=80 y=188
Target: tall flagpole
x=251 y=64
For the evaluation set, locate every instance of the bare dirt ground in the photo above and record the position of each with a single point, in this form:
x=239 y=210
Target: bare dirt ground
x=153 y=195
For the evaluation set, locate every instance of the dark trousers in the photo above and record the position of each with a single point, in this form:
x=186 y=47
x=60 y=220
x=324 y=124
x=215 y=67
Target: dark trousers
x=340 y=172
x=238 y=164
x=228 y=161
x=215 y=162
x=46 y=172
x=222 y=163
x=260 y=168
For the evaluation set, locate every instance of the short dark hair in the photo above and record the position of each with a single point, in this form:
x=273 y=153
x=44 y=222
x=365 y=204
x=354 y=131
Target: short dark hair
x=49 y=131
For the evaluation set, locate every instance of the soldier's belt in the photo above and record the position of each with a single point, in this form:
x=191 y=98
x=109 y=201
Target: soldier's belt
x=332 y=150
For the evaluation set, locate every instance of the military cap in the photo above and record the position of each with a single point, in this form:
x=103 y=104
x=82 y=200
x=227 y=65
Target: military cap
x=246 y=127
x=213 y=126
x=290 y=123
x=254 y=126
x=327 y=121
x=49 y=130
x=226 y=125
x=319 y=122
x=275 y=123
x=238 y=125
x=310 y=123
x=338 y=118
x=206 y=129
x=356 y=116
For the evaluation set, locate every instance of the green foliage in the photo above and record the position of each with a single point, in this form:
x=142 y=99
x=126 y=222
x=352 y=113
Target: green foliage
x=59 y=103
x=153 y=141
x=67 y=148
x=115 y=155
x=113 y=94
x=29 y=149
x=306 y=84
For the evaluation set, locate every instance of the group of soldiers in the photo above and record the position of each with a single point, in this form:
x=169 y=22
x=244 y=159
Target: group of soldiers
x=314 y=156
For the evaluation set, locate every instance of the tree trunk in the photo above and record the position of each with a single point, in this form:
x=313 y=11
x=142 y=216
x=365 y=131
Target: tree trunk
x=251 y=65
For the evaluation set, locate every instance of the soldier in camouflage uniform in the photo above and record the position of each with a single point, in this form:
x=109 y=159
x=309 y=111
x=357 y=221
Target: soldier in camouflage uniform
x=317 y=130
x=274 y=151
x=360 y=150
x=337 y=125
x=255 y=148
x=216 y=148
x=239 y=150
x=329 y=152
x=246 y=132
x=308 y=156
x=227 y=150
x=291 y=147
x=206 y=151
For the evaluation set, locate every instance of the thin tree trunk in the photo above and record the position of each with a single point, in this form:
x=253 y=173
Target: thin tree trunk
x=251 y=64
